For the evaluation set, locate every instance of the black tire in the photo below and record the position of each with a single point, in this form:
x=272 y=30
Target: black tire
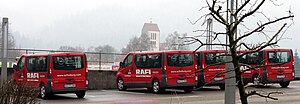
x=43 y=92
x=284 y=84
x=120 y=84
x=256 y=80
x=156 y=88
x=80 y=94
x=150 y=89
x=246 y=83
x=222 y=87
x=187 y=90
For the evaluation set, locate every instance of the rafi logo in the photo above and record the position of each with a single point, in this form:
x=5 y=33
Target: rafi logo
x=244 y=68
x=143 y=71
x=32 y=75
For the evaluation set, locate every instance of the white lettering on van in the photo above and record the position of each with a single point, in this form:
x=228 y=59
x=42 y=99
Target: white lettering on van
x=32 y=75
x=280 y=67
x=68 y=75
x=244 y=68
x=143 y=71
x=181 y=71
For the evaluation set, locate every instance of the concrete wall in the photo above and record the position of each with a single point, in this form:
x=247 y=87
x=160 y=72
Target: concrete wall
x=97 y=79
x=102 y=79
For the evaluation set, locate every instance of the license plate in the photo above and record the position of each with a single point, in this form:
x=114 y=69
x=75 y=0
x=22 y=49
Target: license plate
x=181 y=81
x=218 y=78
x=280 y=76
x=70 y=85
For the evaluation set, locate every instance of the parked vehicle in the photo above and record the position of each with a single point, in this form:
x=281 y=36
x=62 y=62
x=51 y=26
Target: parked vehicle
x=211 y=68
x=53 y=73
x=277 y=66
x=158 y=70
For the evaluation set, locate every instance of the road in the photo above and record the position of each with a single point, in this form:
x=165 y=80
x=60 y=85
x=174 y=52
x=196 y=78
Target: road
x=206 y=95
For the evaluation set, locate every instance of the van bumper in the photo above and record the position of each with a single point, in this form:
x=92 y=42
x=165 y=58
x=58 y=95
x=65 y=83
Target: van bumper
x=68 y=90
x=279 y=80
x=180 y=86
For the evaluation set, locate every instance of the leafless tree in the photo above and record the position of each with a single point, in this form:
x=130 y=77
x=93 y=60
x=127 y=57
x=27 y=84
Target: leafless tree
x=70 y=48
x=141 y=43
x=252 y=21
x=175 y=41
x=106 y=53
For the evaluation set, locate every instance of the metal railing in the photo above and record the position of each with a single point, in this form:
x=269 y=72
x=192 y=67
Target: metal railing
x=96 y=60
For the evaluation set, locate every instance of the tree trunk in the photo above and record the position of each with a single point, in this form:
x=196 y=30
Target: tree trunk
x=238 y=74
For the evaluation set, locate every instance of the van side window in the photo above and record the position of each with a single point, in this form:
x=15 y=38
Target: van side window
x=21 y=63
x=128 y=61
x=36 y=64
x=148 y=61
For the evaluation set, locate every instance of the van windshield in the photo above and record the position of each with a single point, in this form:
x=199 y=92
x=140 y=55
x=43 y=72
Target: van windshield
x=67 y=62
x=180 y=60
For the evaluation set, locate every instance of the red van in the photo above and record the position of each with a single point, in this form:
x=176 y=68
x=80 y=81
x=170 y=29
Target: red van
x=211 y=68
x=158 y=71
x=53 y=73
x=278 y=66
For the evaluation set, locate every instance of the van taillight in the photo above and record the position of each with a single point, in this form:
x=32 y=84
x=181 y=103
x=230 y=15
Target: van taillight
x=293 y=65
x=293 y=73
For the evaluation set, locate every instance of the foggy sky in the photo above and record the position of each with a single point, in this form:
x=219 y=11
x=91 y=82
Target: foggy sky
x=52 y=23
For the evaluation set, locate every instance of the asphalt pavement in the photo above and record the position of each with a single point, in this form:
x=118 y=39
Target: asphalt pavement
x=206 y=95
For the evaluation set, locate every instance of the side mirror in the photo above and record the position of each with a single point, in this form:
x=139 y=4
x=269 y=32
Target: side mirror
x=15 y=67
x=121 y=64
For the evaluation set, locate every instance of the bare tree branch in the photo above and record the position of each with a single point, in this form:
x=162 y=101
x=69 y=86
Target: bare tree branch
x=261 y=27
x=247 y=14
x=265 y=96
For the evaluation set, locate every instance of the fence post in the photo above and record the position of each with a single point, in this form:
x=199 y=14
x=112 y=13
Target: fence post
x=4 y=51
x=100 y=60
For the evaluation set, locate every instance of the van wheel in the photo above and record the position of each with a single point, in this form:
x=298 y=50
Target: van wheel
x=246 y=83
x=43 y=92
x=187 y=90
x=150 y=89
x=284 y=84
x=222 y=87
x=156 y=87
x=256 y=80
x=120 y=84
x=80 y=94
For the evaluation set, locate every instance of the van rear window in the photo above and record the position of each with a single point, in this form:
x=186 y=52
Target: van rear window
x=180 y=60
x=67 y=62
x=279 y=57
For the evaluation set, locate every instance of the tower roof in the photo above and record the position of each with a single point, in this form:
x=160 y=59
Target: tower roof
x=150 y=27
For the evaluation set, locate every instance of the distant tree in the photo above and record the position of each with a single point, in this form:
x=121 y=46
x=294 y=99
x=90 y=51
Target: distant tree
x=176 y=41
x=12 y=54
x=70 y=48
x=107 y=53
x=145 y=44
x=138 y=44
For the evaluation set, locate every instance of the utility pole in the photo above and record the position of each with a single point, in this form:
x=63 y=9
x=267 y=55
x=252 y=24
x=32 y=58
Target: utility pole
x=4 y=50
x=230 y=81
x=209 y=33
